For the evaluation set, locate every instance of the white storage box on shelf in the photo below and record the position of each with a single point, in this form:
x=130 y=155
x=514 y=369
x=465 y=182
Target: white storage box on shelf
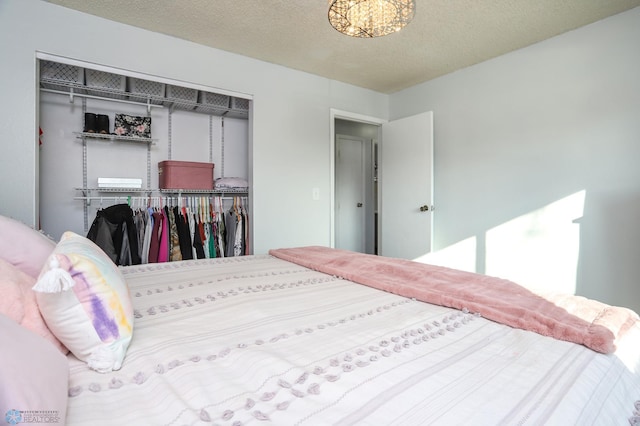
x=133 y=183
x=57 y=76
x=107 y=85
x=143 y=90
x=213 y=103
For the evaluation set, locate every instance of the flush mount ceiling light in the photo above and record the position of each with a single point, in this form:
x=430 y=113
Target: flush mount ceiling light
x=370 y=18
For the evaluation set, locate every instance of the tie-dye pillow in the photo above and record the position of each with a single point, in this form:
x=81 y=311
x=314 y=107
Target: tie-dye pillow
x=85 y=302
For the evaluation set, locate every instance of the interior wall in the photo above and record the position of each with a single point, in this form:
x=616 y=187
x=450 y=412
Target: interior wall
x=552 y=125
x=356 y=128
x=536 y=152
x=290 y=152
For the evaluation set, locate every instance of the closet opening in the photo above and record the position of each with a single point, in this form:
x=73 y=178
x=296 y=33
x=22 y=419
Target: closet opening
x=87 y=165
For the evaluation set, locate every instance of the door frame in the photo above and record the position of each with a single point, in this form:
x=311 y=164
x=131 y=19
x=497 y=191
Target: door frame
x=348 y=116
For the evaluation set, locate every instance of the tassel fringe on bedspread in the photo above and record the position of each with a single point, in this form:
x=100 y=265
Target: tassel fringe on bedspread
x=566 y=317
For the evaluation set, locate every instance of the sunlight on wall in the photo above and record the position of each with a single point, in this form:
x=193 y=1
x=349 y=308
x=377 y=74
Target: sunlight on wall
x=461 y=255
x=540 y=249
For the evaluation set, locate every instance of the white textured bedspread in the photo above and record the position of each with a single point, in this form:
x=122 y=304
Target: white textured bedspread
x=258 y=340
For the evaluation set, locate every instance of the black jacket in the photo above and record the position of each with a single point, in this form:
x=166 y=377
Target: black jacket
x=114 y=231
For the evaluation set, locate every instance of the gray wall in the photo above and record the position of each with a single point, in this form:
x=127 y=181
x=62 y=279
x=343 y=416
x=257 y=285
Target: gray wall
x=536 y=162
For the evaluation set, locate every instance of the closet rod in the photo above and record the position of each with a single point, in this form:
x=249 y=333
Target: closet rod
x=125 y=198
x=82 y=95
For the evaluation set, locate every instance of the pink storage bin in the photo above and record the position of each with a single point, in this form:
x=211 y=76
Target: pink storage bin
x=185 y=175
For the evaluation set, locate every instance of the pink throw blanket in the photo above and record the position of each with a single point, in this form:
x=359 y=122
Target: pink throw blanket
x=565 y=317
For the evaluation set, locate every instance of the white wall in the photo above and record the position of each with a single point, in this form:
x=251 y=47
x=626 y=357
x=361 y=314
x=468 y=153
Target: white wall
x=539 y=145
x=536 y=162
x=290 y=110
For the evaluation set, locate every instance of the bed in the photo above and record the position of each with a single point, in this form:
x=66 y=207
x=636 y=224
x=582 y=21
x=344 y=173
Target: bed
x=301 y=336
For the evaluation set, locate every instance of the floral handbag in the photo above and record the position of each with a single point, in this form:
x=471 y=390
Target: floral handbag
x=130 y=125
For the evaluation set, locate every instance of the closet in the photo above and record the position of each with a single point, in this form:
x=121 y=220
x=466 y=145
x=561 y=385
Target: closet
x=188 y=123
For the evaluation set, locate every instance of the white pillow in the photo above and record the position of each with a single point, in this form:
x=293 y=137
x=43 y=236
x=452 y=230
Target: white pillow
x=86 y=303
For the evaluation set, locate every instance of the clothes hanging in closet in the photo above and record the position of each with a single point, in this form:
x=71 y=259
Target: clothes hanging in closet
x=235 y=224
x=183 y=229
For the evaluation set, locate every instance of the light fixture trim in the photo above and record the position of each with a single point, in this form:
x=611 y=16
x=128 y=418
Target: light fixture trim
x=370 y=18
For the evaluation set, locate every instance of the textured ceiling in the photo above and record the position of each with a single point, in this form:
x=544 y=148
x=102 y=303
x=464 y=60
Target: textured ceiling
x=444 y=36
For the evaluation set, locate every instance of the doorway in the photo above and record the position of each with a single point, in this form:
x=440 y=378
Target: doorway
x=403 y=180
x=355 y=189
x=369 y=130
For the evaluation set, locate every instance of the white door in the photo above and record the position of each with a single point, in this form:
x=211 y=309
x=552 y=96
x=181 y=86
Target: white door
x=406 y=175
x=350 y=193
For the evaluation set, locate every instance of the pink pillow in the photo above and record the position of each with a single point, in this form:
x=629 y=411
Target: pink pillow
x=24 y=247
x=35 y=377
x=18 y=302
